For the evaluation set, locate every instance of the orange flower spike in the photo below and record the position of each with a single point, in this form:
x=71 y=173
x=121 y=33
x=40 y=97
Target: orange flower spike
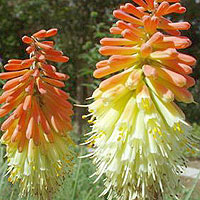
x=29 y=96
x=134 y=110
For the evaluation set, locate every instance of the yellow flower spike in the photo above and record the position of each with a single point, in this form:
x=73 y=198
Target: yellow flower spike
x=143 y=129
x=36 y=131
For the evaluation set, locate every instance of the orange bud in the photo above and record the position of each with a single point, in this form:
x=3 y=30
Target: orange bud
x=11 y=67
x=11 y=83
x=114 y=80
x=19 y=110
x=150 y=71
x=53 y=52
x=44 y=46
x=47 y=68
x=27 y=40
x=186 y=59
x=9 y=75
x=102 y=63
x=190 y=82
x=130 y=35
x=168 y=54
x=104 y=71
x=30 y=129
x=163 y=7
x=123 y=25
x=30 y=49
x=57 y=75
x=145 y=50
x=7 y=123
x=122 y=60
x=57 y=58
x=109 y=50
x=116 y=42
x=54 y=82
x=162 y=91
x=27 y=103
x=26 y=75
x=126 y=17
x=130 y=8
x=141 y=3
x=41 y=86
x=28 y=62
x=15 y=61
x=51 y=32
x=172 y=77
x=115 y=30
x=49 y=43
x=150 y=3
x=40 y=34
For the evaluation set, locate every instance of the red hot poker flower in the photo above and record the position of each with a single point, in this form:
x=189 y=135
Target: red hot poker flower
x=39 y=117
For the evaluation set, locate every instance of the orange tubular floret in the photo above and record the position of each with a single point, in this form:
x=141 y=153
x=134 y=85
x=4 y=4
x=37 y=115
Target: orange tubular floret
x=30 y=129
x=128 y=34
x=130 y=8
x=11 y=83
x=109 y=50
x=44 y=46
x=116 y=42
x=40 y=34
x=57 y=75
x=57 y=58
x=115 y=30
x=11 y=67
x=126 y=17
x=141 y=3
x=102 y=63
x=54 y=82
x=9 y=75
x=27 y=40
x=51 y=32
x=15 y=61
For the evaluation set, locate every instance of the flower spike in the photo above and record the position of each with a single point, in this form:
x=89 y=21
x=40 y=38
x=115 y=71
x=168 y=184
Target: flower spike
x=35 y=132
x=138 y=130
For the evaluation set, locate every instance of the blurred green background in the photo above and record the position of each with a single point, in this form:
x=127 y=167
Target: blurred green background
x=81 y=24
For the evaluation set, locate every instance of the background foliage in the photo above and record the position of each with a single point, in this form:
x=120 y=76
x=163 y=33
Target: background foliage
x=81 y=24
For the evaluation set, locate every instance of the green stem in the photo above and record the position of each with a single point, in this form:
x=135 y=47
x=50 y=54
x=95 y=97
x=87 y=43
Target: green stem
x=76 y=179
